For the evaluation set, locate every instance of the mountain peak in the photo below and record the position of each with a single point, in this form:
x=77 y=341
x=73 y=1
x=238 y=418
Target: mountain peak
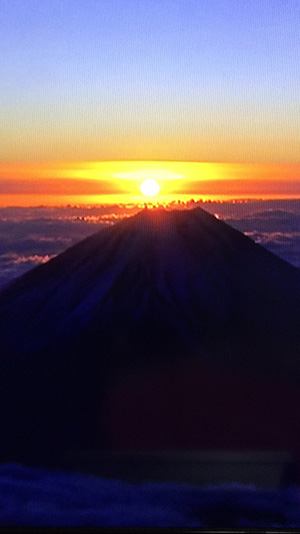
x=161 y=286
x=183 y=269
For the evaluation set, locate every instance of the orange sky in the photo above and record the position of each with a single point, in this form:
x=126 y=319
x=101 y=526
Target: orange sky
x=96 y=98
x=115 y=181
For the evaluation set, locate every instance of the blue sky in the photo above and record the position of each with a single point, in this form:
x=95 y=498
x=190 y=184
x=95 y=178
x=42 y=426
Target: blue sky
x=214 y=80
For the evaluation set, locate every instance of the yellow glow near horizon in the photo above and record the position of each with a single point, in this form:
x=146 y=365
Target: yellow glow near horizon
x=162 y=171
x=153 y=174
x=113 y=181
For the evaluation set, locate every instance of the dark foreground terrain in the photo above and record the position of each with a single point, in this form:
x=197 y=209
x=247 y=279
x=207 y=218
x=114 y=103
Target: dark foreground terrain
x=168 y=330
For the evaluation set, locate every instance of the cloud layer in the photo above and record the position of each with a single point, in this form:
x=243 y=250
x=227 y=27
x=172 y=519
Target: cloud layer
x=30 y=236
x=40 y=497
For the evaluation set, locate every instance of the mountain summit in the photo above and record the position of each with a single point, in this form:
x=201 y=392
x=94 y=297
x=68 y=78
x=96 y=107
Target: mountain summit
x=158 y=288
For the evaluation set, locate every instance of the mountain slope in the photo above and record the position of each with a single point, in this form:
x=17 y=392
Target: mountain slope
x=184 y=271
x=159 y=287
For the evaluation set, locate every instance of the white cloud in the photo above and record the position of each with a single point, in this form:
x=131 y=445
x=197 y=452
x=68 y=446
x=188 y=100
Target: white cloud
x=13 y=265
x=13 y=259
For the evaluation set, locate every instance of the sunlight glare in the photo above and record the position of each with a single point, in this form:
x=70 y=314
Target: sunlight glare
x=150 y=187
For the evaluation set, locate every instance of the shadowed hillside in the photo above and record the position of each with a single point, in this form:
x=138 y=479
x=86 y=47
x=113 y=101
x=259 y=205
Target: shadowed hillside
x=160 y=288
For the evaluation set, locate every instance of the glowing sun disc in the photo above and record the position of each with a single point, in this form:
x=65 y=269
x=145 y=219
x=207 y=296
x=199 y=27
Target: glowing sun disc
x=149 y=187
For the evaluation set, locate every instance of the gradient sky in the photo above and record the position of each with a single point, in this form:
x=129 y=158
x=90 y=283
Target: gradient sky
x=204 y=80
x=167 y=80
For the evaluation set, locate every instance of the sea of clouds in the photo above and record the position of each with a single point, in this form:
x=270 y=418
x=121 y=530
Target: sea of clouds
x=31 y=236
x=41 y=497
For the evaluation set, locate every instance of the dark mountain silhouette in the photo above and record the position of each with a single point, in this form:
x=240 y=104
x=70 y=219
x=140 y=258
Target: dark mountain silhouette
x=161 y=290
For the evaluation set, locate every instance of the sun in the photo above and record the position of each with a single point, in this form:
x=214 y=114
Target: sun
x=150 y=187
